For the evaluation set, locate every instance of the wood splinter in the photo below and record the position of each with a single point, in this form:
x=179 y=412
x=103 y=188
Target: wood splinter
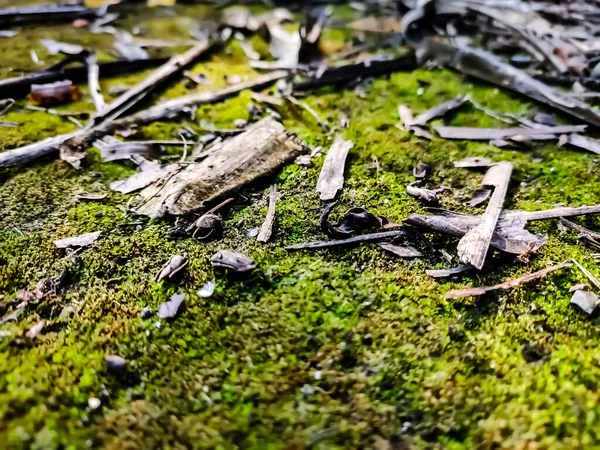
x=267 y=227
x=473 y=247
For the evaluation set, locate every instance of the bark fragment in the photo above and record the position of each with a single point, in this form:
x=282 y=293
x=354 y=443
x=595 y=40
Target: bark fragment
x=259 y=151
x=267 y=227
x=331 y=178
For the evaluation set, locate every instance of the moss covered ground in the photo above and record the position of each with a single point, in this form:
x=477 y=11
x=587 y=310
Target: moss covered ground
x=345 y=348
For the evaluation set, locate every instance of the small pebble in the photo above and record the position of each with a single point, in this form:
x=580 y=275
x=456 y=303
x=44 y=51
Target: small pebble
x=307 y=389
x=115 y=363
x=240 y=123
x=146 y=312
x=94 y=403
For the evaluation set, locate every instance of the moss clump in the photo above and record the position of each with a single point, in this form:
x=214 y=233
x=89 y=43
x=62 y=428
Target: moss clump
x=328 y=349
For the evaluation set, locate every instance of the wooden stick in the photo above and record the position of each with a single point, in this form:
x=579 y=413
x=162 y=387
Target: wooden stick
x=350 y=241
x=267 y=227
x=478 y=291
x=93 y=83
x=583 y=230
x=133 y=96
x=165 y=110
x=473 y=247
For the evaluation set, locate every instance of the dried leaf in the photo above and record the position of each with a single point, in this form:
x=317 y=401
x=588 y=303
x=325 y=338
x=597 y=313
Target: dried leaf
x=355 y=221
x=172 y=267
x=427 y=195
x=73 y=151
x=82 y=240
x=230 y=260
x=421 y=170
x=89 y=197
x=478 y=291
x=168 y=310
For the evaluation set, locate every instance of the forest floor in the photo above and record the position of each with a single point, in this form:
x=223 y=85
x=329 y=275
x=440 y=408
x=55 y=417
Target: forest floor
x=340 y=348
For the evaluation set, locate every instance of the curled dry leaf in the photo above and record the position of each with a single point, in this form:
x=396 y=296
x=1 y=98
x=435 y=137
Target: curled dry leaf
x=73 y=151
x=234 y=261
x=427 y=195
x=168 y=310
x=206 y=227
x=175 y=264
x=479 y=197
x=355 y=221
x=421 y=170
x=403 y=251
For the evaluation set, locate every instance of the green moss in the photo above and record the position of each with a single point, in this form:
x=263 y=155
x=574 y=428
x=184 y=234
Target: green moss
x=384 y=351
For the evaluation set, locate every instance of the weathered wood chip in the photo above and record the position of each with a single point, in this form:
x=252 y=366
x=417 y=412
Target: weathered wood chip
x=35 y=330
x=479 y=197
x=82 y=240
x=373 y=237
x=474 y=162
x=257 y=152
x=478 y=291
x=440 y=110
x=331 y=178
x=581 y=142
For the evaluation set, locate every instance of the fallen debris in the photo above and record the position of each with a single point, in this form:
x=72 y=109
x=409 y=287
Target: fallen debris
x=474 y=162
x=585 y=301
x=55 y=47
x=485 y=66
x=588 y=274
x=206 y=227
x=90 y=197
x=486 y=134
x=35 y=330
x=267 y=227
x=421 y=170
x=474 y=245
x=403 y=251
x=149 y=173
x=440 y=110
x=111 y=149
x=115 y=363
x=354 y=221
x=54 y=93
x=479 y=197
x=331 y=178
x=478 y=291
x=207 y=290
x=236 y=162
x=445 y=273
x=168 y=310
x=234 y=261
x=83 y=240
x=73 y=151
x=582 y=230
x=427 y=195
x=93 y=81
x=373 y=237
x=134 y=95
x=175 y=264
x=581 y=142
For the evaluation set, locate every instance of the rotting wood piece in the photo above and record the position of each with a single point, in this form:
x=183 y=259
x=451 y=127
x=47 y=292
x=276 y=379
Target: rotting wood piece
x=473 y=247
x=331 y=178
x=259 y=151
